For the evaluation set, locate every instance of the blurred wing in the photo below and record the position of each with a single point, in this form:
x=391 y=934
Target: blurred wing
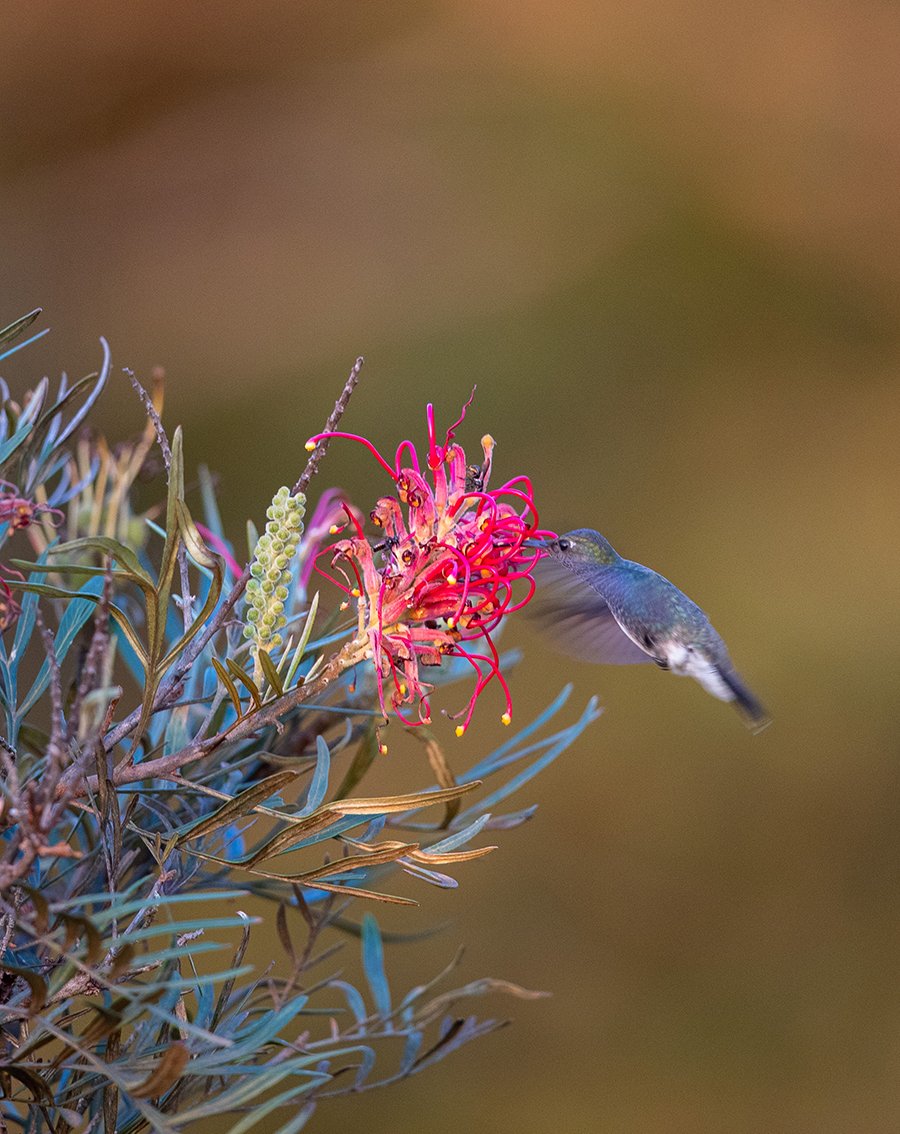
x=577 y=620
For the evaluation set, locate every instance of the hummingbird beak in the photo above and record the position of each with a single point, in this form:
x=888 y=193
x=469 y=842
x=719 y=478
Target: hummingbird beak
x=541 y=543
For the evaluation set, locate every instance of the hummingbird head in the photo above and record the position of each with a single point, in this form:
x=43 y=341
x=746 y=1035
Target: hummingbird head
x=581 y=548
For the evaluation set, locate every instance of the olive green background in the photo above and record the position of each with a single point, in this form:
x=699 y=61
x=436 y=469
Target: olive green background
x=662 y=238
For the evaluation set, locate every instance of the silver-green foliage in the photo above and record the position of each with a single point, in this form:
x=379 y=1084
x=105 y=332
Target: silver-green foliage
x=166 y=796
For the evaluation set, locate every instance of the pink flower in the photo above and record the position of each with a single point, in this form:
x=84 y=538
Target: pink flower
x=328 y=517
x=451 y=553
x=18 y=511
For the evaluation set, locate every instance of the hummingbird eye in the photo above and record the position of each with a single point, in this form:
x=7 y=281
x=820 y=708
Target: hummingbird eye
x=563 y=544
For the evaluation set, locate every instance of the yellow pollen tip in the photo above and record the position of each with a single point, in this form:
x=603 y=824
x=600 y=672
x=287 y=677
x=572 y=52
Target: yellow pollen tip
x=355 y=592
x=309 y=446
x=333 y=530
x=451 y=622
x=506 y=719
x=460 y=730
x=344 y=605
x=401 y=688
x=451 y=579
x=382 y=748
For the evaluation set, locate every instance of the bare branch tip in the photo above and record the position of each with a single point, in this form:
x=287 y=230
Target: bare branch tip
x=334 y=418
x=150 y=410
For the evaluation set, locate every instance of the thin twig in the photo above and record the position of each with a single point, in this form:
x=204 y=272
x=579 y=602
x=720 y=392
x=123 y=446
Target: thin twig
x=9 y=920
x=150 y=410
x=187 y=607
x=312 y=465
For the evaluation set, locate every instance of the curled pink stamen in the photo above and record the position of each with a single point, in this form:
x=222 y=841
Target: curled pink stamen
x=362 y=441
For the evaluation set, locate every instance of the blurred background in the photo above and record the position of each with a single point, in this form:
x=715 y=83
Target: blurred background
x=663 y=239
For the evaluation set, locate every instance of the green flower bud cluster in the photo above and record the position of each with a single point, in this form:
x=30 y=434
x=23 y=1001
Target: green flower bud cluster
x=270 y=572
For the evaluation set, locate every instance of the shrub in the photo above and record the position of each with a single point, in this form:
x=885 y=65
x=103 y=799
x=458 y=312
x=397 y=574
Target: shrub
x=185 y=736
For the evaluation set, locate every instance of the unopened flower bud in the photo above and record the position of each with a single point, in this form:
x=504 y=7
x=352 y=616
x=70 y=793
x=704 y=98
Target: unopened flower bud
x=269 y=588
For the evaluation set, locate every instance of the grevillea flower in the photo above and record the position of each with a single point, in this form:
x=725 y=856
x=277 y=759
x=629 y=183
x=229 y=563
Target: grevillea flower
x=18 y=511
x=451 y=552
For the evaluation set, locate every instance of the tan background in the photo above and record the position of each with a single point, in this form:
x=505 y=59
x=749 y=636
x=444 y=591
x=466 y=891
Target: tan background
x=663 y=239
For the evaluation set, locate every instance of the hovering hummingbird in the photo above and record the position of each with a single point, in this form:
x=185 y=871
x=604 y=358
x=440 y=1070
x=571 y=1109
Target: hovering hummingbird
x=603 y=608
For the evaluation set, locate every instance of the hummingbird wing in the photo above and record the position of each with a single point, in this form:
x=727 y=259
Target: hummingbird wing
x=578 y=620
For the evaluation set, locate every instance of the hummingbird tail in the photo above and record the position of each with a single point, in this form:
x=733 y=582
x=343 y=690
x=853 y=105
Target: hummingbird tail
x=752 y=712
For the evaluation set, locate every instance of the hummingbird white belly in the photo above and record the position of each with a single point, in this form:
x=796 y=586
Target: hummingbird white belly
x=690 y=663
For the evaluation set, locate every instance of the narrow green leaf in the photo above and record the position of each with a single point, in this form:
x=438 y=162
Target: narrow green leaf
x=289 y=1097
x=41 y=908
x=11 y=444
x=165 y=1074
x=312 y=824
x=348 y=863
x=252 y=538
x=124 y=556
x=99 y=380
x=121 y=619
x=284 y=935
x=173 y=540
x=304 y=640
x=240 y=805
x=36 y=402
x=240 y=1095
x=271 y=673
x=11 y=333
x=246 y=680
x=69 y=569
x=373 y=965
x=193 y=541
x=390 y=804
x=225 y=677
x=330 y=887
x=77 y=927
x=319 y=785
x=21 y=346
x=363 y=758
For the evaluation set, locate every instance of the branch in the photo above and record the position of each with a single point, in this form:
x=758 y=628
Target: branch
x=270 y=713
x=312 y=465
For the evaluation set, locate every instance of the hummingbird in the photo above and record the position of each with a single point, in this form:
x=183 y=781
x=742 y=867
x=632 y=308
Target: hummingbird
x=603 y=608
